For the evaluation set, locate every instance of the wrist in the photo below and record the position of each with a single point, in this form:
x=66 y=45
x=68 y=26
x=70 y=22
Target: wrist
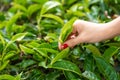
x=114 y=26
x=112 y=29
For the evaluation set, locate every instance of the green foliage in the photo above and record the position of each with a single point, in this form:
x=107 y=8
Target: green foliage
x=9 y=77
x=60 y=55
x=90 y=75
x=54 y=17
x=29 y=32
x=106 y=69
x=66 y=30
x=66 y=65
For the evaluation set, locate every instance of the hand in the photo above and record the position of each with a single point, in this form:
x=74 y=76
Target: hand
x=86 y=32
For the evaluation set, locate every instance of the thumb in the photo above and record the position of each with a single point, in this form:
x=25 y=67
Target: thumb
x=72 y=42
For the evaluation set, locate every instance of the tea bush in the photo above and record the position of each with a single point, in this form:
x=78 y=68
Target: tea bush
x=29 y=31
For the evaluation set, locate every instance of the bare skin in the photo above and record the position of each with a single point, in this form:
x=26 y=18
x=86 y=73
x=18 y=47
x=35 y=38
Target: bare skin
x=89 y=32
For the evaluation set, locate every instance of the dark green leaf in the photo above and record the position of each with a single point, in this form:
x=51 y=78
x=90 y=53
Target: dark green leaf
x=90 y=75
x=117 y=44
x=67 y=66
x=94 y=50
x=52 y=76
x=110 y=52
x=89 y=64
x=70 y=76
x=26 y=63
x=106 y=69
x=43 y=63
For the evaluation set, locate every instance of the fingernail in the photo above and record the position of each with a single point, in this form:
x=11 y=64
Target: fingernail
x=64 y=46
x=72 y=37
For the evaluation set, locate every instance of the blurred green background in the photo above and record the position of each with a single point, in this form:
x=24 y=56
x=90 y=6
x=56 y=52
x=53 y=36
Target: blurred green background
x=29 y=31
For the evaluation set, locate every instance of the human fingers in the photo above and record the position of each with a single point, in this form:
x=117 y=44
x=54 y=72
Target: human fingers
x=63 y=46
x=71 y=42
x=71 y=36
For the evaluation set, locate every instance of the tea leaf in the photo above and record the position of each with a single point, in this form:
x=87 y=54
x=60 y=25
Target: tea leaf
x=52 y=76
x=45 y=45
x=49 y=5
x=33 y=8
x=6 y=77
x=9 y=55
x=70 y=76
x=94 y=50
x=110 y=52
x=19 y=7
x=60 y=55
x=67 y=66
x=116 y=44
x=12 y=21
x=106 y=69
x=16 y=37
x=51 y=50
x=18 y=77
x=26 y=63
x=26 y=50
x=4 y=65
x=42 y=52
x=90 y=75
x=2 y=40
x=54 y=17
x=89 y=63
x=66 y=30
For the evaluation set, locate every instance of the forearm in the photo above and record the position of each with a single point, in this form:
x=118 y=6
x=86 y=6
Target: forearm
x=110 y=29
x=114 y=27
